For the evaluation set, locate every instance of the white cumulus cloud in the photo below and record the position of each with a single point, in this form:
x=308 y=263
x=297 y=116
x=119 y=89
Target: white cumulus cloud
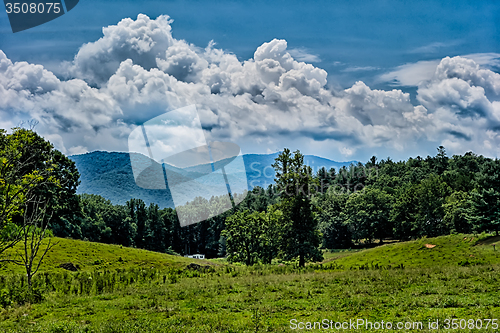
x=138 y=71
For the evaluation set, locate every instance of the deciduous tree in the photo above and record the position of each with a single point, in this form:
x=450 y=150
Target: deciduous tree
x=300 y=236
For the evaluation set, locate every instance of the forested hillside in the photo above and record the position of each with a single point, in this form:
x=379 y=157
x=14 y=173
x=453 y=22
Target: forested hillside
x=109 y=174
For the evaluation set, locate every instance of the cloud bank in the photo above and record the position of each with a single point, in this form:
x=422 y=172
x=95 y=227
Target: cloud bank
x=138 y=70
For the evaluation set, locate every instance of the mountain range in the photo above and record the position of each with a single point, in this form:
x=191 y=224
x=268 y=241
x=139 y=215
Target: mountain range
x=110 y=175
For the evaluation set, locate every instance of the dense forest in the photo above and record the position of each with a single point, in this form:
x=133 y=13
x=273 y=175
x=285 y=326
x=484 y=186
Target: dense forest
x=361 y=204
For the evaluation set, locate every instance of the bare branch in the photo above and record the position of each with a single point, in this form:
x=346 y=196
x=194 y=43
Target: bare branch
x=34 y=230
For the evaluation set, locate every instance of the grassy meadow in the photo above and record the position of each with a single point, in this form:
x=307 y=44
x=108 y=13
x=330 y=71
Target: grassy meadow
x=118 y=289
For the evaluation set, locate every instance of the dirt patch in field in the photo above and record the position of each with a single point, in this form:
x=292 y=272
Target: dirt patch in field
x=69 y=266
x=430 y=246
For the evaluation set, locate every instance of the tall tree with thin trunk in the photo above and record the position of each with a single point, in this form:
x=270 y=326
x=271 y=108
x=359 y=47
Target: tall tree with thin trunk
x=300 y=236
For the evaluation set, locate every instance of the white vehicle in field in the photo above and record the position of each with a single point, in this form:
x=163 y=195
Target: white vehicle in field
x=195 y=256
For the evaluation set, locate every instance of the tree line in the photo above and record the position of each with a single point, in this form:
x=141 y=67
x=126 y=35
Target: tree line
x=410 y=199
x=292 y=219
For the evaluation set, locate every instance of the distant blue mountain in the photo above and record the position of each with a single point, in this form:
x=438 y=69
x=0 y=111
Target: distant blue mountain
x=110 y=175
x=260 y=172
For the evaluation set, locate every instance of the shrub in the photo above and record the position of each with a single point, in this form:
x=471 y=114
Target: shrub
x=5 y=300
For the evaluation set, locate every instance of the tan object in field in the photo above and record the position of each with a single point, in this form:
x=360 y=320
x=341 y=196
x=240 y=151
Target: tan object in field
x=429 y=246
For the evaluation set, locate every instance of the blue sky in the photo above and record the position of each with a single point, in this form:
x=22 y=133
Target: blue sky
x=352 y=39
x=385 y=44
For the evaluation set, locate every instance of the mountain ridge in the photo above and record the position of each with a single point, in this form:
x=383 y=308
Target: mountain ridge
x=110 y=175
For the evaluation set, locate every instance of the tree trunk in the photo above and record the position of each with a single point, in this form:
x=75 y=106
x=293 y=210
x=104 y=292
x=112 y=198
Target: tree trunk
x=29 y=279
x=302 y=262
x=248 y=255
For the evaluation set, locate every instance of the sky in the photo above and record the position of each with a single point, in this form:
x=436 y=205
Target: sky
x=343 y=80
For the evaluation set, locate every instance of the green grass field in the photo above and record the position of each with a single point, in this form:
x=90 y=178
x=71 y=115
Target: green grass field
x=89 y=256
x=150 y=292
x=449 y=250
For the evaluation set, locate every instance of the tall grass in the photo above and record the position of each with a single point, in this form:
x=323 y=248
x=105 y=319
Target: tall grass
x=248 y=299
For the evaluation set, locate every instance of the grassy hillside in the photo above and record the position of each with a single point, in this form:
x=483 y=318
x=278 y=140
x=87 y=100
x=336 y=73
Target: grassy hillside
x=89 y=256
x=451 y=250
